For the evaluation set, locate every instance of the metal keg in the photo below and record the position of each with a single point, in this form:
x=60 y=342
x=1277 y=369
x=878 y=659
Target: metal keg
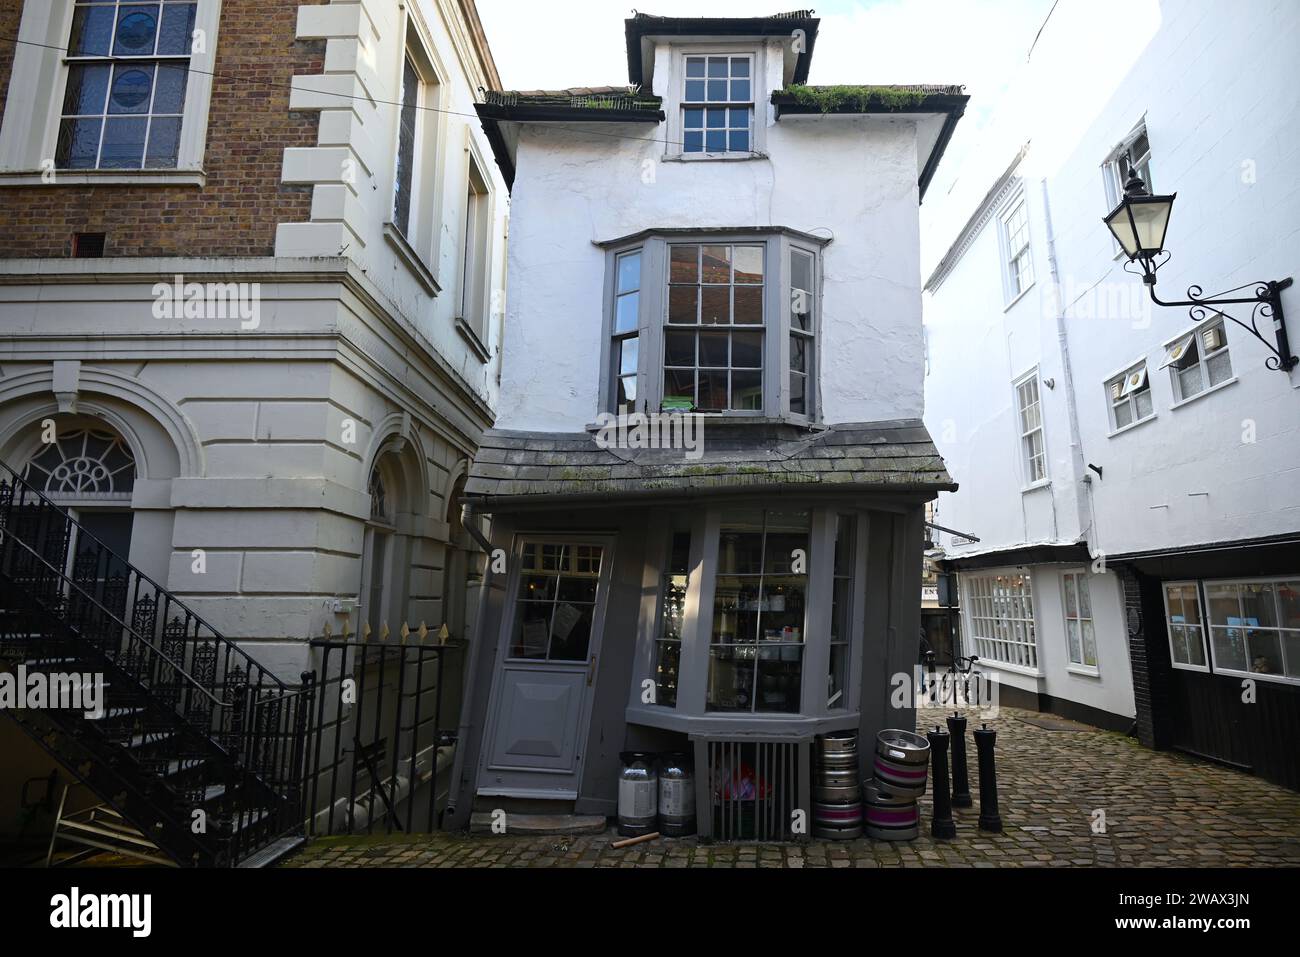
x=676 y=795
x=838 y=749
x=902 y=762
x=837 y=792
x=836 y=785
x=839 y=822
x=638 y=794
x=890 y=817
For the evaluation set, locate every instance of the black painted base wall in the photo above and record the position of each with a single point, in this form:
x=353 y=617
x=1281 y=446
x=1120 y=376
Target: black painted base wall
x=1014 y=697
x=1204 y=713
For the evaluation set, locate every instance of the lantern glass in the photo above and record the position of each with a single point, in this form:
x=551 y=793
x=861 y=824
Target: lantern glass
x=1140 y=222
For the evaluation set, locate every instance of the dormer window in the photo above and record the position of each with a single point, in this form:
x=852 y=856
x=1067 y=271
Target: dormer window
x=718 y=105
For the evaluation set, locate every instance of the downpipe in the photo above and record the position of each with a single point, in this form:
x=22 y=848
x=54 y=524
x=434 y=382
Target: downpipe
x=456 y=787
x=1078 y=465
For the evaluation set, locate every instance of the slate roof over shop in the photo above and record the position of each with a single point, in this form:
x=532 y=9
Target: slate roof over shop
x=875 y=456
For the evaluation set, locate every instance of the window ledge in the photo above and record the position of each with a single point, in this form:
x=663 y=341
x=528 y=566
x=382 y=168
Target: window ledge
x=407 y=254
x=471 y=338
x=714 y=157
x=1131 y=426
x=1203 y=669
x=1275 y=679
x=109 y=177
x=1203 y=393
x=1035 y=486
x=1084 y=671
x=1020 y=295
x=1012 y=669
x=729 y=419
x=724 y=723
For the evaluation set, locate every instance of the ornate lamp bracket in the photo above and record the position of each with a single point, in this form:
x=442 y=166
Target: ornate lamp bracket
x=1264 y=298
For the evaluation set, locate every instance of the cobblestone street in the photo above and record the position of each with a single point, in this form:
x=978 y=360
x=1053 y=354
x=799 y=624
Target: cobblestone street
x=1160 y=809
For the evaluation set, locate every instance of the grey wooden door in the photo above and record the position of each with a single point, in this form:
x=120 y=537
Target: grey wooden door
x=550 y=648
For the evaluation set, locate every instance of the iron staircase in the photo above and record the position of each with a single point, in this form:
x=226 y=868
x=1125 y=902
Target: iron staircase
x=198 y=747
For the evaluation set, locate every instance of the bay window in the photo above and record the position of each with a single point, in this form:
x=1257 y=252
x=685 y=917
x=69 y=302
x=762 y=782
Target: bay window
x=713 y=343
x=803 y=267
x=741 y=626
x=626 y=340
x=718 y=324
x=672 y=616
x=757 y=645
x=841 y=642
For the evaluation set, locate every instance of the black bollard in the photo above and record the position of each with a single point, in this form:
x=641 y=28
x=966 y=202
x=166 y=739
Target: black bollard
x=960 y=783
x=990 y=820
x=941 y=825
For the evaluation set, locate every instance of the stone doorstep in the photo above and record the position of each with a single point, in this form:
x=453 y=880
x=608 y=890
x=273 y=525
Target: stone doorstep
x=524 y=825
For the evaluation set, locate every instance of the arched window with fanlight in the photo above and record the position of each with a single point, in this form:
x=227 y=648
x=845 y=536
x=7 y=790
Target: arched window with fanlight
x=83 y=464
x=89 y=470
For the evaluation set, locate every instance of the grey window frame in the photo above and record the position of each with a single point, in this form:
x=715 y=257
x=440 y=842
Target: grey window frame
x=653 y=317
x=705 y=526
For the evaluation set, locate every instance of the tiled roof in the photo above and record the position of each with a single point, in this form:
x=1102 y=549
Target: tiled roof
x=876 y=456
x=578 y=98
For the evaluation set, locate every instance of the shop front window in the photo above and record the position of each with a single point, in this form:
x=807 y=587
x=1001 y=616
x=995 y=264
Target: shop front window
x=668 y=644
x=837 y=681
x=757 y=645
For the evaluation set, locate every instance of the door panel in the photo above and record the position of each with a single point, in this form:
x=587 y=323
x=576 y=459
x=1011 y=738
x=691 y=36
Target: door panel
x=538 y=723
x=540 y=706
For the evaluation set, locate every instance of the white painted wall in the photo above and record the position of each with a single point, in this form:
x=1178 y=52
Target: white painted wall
x=853 y=178
x=352 y=169
x=1219 y=95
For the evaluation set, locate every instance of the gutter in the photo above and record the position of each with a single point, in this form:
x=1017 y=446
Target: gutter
x=456 y=789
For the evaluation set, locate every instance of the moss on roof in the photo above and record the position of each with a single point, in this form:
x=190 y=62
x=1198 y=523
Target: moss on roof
x=852 y=98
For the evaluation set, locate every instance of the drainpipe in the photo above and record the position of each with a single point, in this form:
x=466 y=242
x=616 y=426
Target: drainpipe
x=455 y=788
x=1080 y=476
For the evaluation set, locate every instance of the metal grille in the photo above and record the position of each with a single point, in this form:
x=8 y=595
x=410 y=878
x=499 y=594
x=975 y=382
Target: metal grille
x=753 y=789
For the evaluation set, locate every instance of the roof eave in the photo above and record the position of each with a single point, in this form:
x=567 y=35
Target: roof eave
x=636 y=29
x=952 y=105
x=492 y=116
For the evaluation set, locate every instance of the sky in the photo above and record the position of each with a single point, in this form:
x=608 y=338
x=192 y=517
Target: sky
x=981 y=44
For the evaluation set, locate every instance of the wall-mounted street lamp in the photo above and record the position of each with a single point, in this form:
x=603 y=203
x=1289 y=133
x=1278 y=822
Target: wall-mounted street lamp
x=1139 y=223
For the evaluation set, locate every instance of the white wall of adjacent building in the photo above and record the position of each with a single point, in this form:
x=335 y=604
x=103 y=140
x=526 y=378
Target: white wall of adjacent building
x=1222 y=465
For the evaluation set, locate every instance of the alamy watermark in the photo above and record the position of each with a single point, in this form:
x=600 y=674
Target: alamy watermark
x=652 y=430
x=209 y=300
x=56 y=691
x=946 y=689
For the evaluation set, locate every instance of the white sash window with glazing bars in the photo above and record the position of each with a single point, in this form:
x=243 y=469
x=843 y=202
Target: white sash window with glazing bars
x=1000 y=610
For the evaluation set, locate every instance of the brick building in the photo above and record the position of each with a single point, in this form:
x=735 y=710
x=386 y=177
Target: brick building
x=249 y=321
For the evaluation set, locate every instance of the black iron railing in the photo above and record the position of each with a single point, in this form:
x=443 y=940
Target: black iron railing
x=68 y=595
x=375 y=743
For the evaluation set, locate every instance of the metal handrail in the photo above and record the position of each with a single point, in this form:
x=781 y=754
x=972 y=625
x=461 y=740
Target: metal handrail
x=158 y=589
x=129 y=629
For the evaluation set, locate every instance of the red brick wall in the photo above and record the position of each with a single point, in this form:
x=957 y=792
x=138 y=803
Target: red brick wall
x=249 y=127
